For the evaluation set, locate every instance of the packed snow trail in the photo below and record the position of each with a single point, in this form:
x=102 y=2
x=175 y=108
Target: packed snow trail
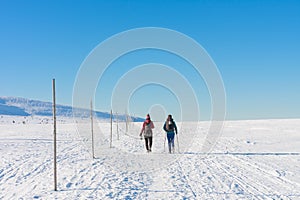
x=263 y=165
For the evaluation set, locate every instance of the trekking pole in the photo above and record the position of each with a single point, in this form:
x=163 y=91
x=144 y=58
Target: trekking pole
x=177 y=142
x=165 y=144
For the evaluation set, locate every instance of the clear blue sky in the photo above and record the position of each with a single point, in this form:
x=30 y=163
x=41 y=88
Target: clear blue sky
x=255 y=45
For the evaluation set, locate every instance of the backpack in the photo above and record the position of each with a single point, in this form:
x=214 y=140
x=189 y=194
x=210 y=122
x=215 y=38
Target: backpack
x=148 y=130
x=170 y=126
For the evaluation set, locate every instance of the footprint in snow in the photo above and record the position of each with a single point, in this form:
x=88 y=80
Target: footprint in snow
x=236 y=188
x=69 y=185
x=280 y=173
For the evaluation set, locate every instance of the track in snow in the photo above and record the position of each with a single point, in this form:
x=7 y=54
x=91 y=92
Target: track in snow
x=26 y=170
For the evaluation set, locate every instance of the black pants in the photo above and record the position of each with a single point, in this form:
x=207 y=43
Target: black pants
x=148 y=143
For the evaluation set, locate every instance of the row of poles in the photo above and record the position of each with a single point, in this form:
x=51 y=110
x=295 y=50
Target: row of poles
x=92 y=131
x=111 y=127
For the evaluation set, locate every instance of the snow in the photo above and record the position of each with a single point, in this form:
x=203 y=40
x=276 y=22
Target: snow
x=256 y=159
x=26 y=107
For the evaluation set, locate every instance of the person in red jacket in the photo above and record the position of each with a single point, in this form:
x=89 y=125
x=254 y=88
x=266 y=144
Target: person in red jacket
x=147 y=131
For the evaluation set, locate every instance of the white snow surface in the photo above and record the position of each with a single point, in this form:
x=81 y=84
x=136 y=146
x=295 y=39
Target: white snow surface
x=256 y=159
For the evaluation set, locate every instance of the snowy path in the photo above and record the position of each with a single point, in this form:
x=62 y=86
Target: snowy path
x=240 y=167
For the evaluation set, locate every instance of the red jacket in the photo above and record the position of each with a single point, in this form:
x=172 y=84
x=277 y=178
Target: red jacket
x=144 y=124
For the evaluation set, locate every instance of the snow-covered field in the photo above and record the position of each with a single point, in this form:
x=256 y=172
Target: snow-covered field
x=257 y=159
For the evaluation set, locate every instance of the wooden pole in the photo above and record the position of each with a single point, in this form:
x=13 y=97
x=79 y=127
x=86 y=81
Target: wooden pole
x=54 y=133
x=117 y=126
x=110 y=129
x=92 y=130
x=126 y=121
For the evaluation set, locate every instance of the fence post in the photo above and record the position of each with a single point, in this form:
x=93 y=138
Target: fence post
x=126 y=121
x=110 y=129
x=54 y=134
x=92 y=130
x=118 y=137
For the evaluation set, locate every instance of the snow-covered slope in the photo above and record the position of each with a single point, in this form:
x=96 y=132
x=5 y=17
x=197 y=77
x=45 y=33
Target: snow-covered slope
x=251 y=160
x=26 y=107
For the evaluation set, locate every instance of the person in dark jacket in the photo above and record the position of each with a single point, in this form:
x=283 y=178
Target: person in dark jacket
x=147 y=131
x=171 y=129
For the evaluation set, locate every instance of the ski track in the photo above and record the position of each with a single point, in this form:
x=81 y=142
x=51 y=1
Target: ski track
x=29 y=174
x=272 y=182
x=269 y=179
x=240 y=183
x=245 y=173
x=15 y=175
x=270 y=173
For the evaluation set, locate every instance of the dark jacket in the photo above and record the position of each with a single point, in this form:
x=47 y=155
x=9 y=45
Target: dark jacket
x=170 y=127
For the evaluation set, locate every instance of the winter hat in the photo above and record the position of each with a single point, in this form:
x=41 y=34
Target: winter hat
x=147 y=119
x=148 y=116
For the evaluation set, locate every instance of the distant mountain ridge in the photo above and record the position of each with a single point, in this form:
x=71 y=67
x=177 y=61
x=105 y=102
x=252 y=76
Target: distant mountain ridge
x=26 y=107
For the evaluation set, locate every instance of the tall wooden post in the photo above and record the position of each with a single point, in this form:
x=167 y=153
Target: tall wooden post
x=92 y=130
x=117 y=126
x=54 y=134
x=110 y=128
x=126 y=121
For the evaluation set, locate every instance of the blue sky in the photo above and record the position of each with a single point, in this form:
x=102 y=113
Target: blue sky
x=255 y=45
